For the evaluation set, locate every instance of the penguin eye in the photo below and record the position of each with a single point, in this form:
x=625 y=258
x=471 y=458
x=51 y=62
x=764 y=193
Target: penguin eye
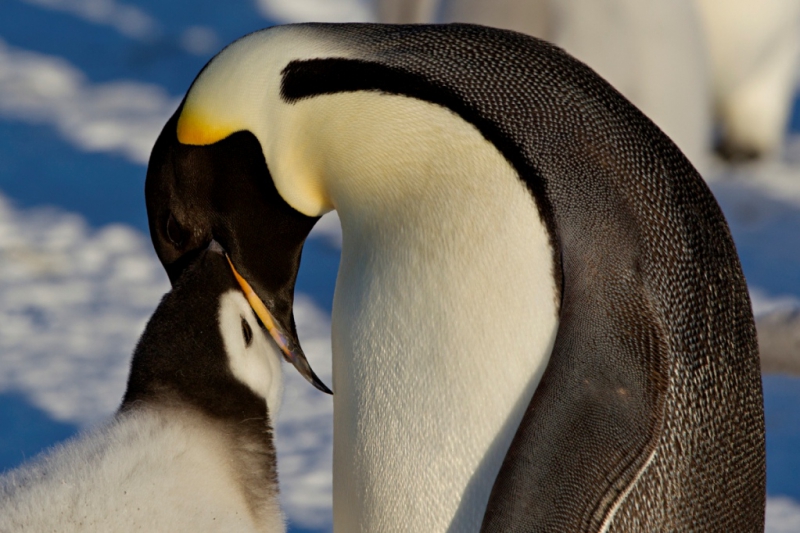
x=176 y=233
x=247 y=333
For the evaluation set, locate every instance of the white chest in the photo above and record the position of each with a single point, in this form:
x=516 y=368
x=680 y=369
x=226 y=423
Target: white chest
x=444 y=318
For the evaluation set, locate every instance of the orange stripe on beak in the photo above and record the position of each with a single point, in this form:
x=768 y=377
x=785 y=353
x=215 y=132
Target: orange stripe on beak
x=291 y=350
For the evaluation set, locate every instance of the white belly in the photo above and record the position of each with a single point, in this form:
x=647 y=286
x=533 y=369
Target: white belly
x=443 y=321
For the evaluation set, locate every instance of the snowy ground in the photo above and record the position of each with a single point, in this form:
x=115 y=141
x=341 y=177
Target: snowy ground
x=85 y=85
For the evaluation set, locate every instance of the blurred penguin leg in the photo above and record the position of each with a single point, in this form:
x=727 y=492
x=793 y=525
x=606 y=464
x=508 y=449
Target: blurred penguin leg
x=755 y=48
x=406 y=11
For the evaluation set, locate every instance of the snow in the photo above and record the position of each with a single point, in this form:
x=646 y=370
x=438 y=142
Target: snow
x=122 y=116
x=73 y=302
x=125 y=18
x=75 y=293
x=783 y=515
x=200 y=40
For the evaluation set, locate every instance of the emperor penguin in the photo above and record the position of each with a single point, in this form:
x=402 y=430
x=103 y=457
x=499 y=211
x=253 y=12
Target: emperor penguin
x=679 y=61
x=540 y=322
x=191 y=447
x=653 y=52
x=755 y=54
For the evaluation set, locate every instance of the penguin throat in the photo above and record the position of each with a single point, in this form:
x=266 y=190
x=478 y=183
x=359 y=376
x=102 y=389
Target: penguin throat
x=444 y=314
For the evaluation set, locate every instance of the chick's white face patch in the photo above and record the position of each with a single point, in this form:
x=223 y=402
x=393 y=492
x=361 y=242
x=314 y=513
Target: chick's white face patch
x=253 y=357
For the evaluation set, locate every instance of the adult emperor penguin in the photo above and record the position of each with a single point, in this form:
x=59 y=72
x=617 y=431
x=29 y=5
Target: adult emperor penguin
x=540 y=322
x=191 y=447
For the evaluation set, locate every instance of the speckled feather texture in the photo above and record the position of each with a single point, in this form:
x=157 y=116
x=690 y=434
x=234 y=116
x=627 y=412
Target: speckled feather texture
x=649 y=416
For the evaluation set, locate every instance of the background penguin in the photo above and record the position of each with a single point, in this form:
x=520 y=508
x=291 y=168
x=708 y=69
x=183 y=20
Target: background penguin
x=754 y=48
x=679 y=62
x=654 y=53
x=191 y=448
x=540 y=322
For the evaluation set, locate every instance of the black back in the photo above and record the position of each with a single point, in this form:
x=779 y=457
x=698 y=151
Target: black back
x=650 y=410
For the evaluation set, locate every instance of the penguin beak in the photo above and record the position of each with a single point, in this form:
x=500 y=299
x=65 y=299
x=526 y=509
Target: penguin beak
x=223 y=192
x=290 y=348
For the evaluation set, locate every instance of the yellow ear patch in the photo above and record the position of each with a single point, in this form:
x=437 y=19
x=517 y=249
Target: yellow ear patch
x=195 y=130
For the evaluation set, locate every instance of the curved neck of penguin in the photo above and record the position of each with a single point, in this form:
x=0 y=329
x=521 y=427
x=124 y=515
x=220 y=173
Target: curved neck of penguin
x=444 y=313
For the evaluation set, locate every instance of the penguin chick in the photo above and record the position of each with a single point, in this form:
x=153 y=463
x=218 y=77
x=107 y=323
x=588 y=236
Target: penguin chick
x=191 y=447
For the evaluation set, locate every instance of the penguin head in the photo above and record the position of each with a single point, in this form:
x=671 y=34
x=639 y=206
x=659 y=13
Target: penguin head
x=224 y=193
x=205 y=348
x=208 y=178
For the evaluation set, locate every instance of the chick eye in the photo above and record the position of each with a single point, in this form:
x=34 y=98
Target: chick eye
x=247 y=333
x=176 y=233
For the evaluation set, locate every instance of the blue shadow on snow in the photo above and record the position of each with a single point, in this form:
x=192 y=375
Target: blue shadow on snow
x=781 y=408
x=26 y=430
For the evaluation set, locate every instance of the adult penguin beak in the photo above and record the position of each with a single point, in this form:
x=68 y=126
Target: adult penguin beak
x=223 y=193
x=288 y=345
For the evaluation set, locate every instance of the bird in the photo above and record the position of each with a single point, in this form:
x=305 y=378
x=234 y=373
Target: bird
x=540 y=322
x=654 y=54
x=679 y=62
x=191 y=446
x=754 y=52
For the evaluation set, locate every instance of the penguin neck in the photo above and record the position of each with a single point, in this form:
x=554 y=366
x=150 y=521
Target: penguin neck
x=444 y=314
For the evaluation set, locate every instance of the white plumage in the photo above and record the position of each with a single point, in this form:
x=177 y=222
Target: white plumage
x=679 y=61
x=755 y=50
x=147 y=470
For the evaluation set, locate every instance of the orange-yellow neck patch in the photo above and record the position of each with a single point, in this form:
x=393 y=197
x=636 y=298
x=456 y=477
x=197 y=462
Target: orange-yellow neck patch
x=194 y=129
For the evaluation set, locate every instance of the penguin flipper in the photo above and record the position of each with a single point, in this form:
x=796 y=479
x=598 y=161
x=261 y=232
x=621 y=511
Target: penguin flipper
x=593 y=423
